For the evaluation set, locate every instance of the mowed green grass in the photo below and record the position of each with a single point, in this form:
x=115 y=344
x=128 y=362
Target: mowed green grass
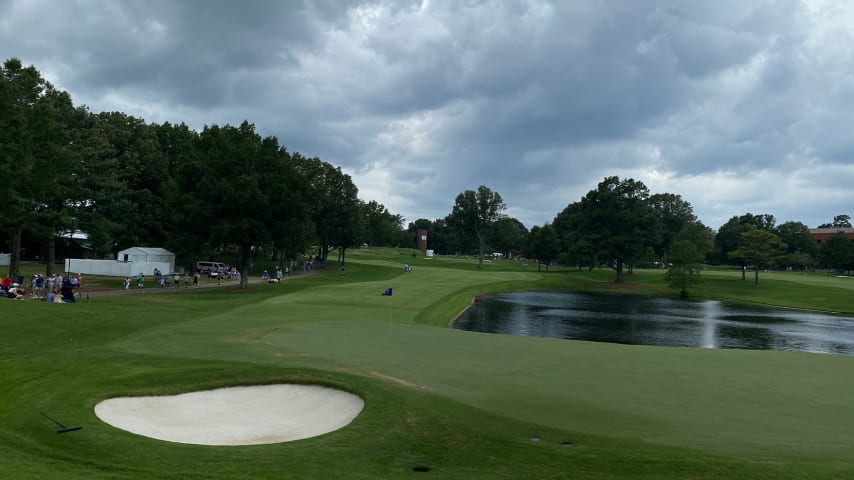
x=464 y=405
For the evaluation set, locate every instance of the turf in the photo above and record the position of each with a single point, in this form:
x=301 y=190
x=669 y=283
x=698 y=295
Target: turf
x=461 y=404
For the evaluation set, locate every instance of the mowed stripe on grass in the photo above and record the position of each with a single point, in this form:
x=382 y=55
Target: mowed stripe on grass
x=719 y=401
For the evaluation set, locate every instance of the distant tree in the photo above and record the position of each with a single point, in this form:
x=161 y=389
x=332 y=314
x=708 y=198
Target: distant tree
x=542 y=245
x=347 y=216
x=474 y=213
x=334 y=206
x=687 y=254
x=760 y=248
x=839 y=221
x=575 y=249
x=35 y=166
x=382 y=227
x=838 y=252
x=616 y=219
x=729 y=236
x=672 y=213
x=240 y=180
x=508 y=234
x=438 y=234
x=801 y=247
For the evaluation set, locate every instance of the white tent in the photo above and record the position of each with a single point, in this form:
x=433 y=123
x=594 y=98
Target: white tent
x=128 y=263
x=147 y=255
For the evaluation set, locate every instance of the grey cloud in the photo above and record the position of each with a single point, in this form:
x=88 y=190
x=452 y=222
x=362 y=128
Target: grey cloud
x=538 y=100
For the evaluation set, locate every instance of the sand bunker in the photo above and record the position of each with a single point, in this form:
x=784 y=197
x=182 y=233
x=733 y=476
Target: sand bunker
x=234 y=416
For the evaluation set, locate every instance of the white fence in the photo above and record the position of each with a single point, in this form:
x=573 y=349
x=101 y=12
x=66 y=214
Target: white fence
x=114 y=268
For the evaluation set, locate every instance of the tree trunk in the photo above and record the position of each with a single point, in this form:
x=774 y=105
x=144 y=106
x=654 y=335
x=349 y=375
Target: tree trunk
x=619 y=269
x=15 y=260
x=343 y=253
x=480 y=257
x=743 y=272
x=243 y=264
x=756 y=276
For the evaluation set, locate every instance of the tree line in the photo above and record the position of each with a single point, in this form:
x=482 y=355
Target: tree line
x=125 y=182
x=620 y=224
x=128 y=183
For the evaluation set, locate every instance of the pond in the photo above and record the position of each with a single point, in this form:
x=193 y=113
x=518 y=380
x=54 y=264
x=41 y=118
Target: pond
x=658 y=321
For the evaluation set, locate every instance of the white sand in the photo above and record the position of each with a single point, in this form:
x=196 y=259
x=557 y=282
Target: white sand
x=235 y=416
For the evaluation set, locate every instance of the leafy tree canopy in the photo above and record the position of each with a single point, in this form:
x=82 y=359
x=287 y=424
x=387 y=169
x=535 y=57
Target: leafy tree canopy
x=474 y=214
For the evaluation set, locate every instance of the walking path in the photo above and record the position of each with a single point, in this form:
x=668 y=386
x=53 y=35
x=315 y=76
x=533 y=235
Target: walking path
x=94 y=291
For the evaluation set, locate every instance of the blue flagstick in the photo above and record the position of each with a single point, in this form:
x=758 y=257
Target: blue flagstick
x=387 y=292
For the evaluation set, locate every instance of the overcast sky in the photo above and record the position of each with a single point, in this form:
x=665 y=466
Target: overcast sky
x=738 y=106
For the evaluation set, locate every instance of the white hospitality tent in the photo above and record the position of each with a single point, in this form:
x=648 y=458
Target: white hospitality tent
x=128 y=263
x=147 y=255
x=148 y=258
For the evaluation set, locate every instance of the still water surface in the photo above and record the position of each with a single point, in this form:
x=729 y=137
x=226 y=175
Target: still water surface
x=658 y=321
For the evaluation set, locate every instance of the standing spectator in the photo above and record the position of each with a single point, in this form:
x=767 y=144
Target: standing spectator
x=127 y=283
x=39 y=286
x=186 y=280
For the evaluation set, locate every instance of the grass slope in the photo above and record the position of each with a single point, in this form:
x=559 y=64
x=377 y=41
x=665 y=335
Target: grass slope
x=464 y=405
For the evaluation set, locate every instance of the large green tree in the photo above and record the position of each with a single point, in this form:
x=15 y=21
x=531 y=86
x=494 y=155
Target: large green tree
x=35 y=164
x=474 y=214
x=575 y=248
x=508 y=234
x=838 y=252
x=801 y=247
x=382 y=228
x=759 y=248
x=542 y=245
x=617 y=220
x=240 y=179
x=334 y=206
x=729 y=236
x=688 y=251
x=672 y=213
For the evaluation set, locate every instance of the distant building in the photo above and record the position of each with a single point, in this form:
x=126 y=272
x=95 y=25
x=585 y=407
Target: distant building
x=421 y=240
x=822 y=235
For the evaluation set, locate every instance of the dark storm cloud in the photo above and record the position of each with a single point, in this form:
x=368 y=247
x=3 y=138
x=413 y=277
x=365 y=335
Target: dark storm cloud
x=537 y=99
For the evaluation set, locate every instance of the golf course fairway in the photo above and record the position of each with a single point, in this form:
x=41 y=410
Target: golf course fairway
x=438 y=402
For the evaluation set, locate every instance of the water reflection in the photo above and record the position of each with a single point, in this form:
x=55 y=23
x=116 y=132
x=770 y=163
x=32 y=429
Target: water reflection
x=659 y=321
